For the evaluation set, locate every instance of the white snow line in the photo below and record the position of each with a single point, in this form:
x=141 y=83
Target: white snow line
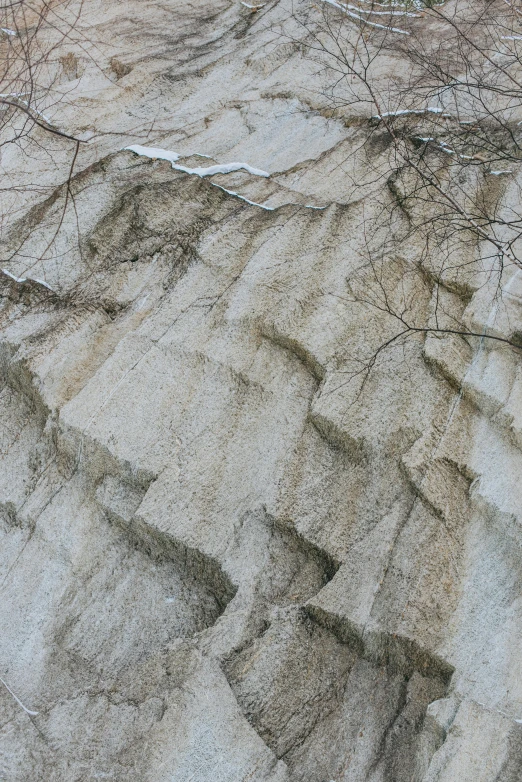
x=9 y=690
x=31 y=108
x=155 y=153
x=39 y=113
x=242 y=198
x=444 y=147
x=511 y=38
x=384 y=5
x=346 y=10
x=253 y=7
x=7 y=31
x=42 y=282
x=26 y=279
x=13 y=277
x=416 y=112
x=263 y=206
x=379 y=13
x=449 y=151
x=226 y=168
x=500 y=173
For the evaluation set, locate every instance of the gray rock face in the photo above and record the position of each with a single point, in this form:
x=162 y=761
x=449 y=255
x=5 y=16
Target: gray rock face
x=219 y=561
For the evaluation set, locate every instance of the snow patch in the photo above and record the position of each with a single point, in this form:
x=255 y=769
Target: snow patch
x=156 y=153
x=346 y=9
x=416 y=112
x=37 y=112
x=444 y=147
x=242 y=198
x=21 y=280
x=13 y=277
x=226 y=168
x=379 y=13
x=41 y=282
x=9 y=690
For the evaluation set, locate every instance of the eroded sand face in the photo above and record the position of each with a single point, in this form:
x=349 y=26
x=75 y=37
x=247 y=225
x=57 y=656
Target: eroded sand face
x=218 y=561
